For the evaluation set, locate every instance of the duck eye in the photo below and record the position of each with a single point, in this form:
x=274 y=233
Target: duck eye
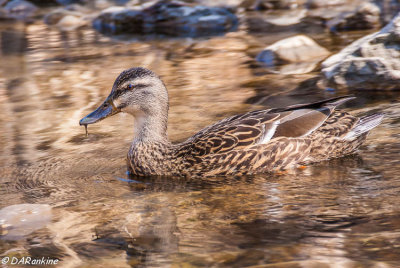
x=130 y=86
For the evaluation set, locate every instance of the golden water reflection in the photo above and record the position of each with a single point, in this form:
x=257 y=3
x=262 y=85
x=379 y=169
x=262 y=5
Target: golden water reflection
x=342 y=212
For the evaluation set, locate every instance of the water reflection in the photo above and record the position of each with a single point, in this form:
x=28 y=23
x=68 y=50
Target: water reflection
x=341 y=212
x=13 y=42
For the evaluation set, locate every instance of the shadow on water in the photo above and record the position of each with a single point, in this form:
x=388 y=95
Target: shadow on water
x=342 y=211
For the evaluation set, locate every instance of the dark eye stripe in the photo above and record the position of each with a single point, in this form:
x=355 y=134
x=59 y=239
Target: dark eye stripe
x=141 y=85
x=129 y=87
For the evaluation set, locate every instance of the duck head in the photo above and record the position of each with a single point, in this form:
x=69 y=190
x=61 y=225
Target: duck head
x=139 y=92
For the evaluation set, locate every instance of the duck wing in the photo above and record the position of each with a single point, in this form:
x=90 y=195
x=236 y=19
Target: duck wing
x=259 y=127
x=232 y=133
x=302 y=119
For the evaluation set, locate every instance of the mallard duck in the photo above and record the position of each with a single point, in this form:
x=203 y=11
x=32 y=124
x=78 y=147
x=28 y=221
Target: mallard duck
x=255 y=142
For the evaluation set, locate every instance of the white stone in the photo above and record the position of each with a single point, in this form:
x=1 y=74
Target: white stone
x=299 y=48
x=20 y=220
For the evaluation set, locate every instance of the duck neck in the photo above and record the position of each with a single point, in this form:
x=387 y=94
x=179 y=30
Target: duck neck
x=150 y=128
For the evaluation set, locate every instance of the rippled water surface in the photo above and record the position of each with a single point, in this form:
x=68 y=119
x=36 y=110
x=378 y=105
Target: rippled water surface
x=344 y=212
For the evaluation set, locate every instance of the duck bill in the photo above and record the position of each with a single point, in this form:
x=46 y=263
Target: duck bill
x=105 y=110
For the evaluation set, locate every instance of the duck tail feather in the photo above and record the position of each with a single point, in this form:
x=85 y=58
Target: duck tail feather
x=365 y=124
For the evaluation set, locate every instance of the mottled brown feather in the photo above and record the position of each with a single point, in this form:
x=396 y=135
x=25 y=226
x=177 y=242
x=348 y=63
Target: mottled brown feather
x=232 y=146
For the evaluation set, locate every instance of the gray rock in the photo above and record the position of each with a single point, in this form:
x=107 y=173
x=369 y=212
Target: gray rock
x=168 y=18
x=363 y=17
x=287 y=18
x=220 y=3
x=66 y=19
x=389 y=9
x=321 y=3
x=70 y=23
x=296 y=49
x=18 y=9
x=271 y=4
x=70 y=2
x=295 y=21
x=44 y=3
x=372 y=62
x=328 y=10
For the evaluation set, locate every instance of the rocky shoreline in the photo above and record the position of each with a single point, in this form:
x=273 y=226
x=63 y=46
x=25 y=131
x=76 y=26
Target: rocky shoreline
x=369 y=63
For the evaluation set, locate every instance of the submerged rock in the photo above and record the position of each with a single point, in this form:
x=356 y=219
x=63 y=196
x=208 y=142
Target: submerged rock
x=372 y=62
x=366 y=16
x=169 y=18
x=296 y=49
x=18 y=9
x=17 y=221
x=66 y=19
